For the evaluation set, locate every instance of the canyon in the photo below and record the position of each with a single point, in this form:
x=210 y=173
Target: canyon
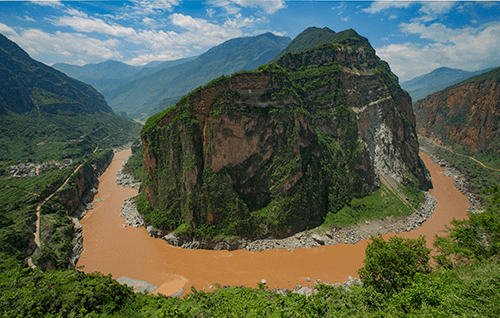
x=465 y=115
x=112 y=248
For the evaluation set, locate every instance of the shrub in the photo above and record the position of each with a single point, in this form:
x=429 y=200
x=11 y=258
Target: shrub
x=391 y=265
x=475 y=239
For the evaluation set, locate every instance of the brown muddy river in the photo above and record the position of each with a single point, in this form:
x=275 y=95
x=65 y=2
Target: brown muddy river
x=110 y=248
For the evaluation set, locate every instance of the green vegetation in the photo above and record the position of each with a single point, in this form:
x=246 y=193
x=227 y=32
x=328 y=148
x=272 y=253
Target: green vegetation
x=391 y=266
x=154 y=90
x=398 y=282
x=134 y=165
x=384 y=202
x=259 y=206
x=314 y=37
x=39 y=137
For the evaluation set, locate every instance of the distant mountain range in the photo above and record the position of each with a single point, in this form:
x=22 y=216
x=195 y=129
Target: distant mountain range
x=110 y=74
x=41 y=105
x=246 y=53
x=439 y=79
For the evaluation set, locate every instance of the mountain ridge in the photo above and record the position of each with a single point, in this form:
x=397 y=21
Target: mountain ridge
x=229 y=57
x=438 y=79
x=273 y=151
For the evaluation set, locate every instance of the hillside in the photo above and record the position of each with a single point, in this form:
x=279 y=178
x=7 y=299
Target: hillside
x=272 y=152
x=27 y=85
x=313 y=37
x=232 y=56
x=440 y=78
x=465 y=115
x=44 y=113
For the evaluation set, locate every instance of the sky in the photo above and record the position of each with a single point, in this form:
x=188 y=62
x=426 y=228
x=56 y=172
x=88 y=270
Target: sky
x=414 y=37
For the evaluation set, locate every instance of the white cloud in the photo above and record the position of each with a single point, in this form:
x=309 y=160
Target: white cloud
x=7 y=31
x=345 y=19
x=27 y=18
x=381 y=5
x=340 y=8
x=431 y=10
x=51 y=3
x=82 y=23
x=233 y=6
x=210 y=12
x=467 y=48
x=68 y=45
x=144 y=7
x=146 y=58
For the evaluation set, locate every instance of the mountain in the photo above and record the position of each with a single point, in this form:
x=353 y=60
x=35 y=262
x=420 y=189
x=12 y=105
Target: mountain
x=424 y=85
x=313 y=37
x=27 y=84
x=110 y=74
x=103 y=75
x=41 y=105
x=274 y=151
x=466 y=114
x=246 y=53
x=158 y=66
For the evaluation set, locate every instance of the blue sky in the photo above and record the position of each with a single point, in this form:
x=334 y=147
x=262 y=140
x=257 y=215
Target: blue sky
x=414 y=37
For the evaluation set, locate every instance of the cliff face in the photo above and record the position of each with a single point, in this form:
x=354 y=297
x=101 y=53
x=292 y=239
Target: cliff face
x=468 y=115
x=271 y=152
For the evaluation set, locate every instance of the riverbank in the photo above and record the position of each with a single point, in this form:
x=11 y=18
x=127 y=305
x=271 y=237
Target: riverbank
x=111 y=248
x=306 y=239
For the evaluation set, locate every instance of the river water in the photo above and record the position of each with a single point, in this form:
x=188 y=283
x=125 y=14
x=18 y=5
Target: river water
x=110 y=248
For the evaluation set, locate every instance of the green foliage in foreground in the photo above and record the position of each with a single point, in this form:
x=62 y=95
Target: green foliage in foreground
x=392 y=265
x=471 y=289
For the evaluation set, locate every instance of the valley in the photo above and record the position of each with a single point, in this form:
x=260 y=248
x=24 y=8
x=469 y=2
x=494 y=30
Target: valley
x=133 y=253
x=273 y=177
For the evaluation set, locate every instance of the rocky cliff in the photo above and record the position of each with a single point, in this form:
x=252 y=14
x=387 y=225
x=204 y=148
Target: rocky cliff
x=271 y=152
x=466 y=115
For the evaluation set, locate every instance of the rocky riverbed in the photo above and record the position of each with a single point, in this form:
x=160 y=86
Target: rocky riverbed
x=306 y=239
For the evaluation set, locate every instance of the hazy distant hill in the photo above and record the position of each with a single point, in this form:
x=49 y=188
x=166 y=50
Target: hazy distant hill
x=424 y=85
x=46 y=114
x=110 y=74
x=246 y=53
x=313 y=37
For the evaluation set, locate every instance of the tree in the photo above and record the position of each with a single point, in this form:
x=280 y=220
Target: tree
x=391 y=265
x=474 y=239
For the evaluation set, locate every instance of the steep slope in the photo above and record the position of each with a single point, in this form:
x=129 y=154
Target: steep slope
x=26 y=84
x=271 y=152
x=313 y=37
x=440 y=78
x=466 y=114
x=44 y=114
x=231 y=56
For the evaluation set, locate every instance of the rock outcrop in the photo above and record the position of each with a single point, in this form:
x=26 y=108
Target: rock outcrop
x=272 y=152
x=467 y=115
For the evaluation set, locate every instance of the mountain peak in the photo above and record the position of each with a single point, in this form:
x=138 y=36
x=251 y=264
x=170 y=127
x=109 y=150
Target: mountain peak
x=313 y=37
